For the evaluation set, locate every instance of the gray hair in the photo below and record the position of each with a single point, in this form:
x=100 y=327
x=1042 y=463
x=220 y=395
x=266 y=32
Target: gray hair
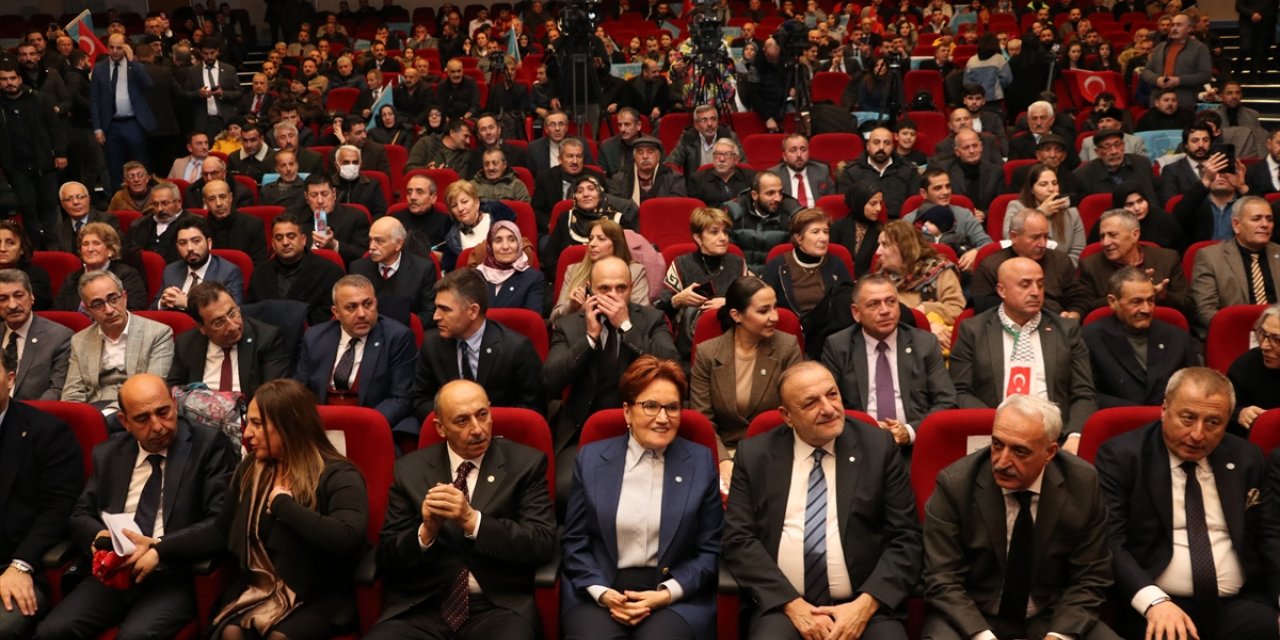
x=167 y=186
x=353 y=280
x=733 y=146
x=94 y=276
x=1237 y=209
x=1041 y=105
x=1125 y=274
x=16 y=276
x=1019 y=220
x=573 y=142
x=349 y=147
x=1272 y=311
x=1209 y=381
x=72 y=183
x=704 y=108
x=1048 y=413
x=284 y=126
x=1130 y=220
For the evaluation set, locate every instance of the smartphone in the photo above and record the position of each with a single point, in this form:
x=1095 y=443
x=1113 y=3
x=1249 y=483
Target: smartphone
x=322 y=221
x=589 y=292
x=706 y=289
x=1226 y=149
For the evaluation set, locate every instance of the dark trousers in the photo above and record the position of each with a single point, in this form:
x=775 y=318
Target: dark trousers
x=936 y=627
x=1239 y=618
x=157 y=608
x=126 y=141
x=37 y=194
x=592 y=621
x=86 y=161
x=486 y=622
x=775 y=625
x=1255 y=41
x=14 y=625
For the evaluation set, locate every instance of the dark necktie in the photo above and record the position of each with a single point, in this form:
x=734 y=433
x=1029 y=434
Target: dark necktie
x=115 y=83
x=149 y=503
x=817 y=585
x=76 y=227
x=457 y=608
x=1204 y=575
x=257 y=104
x=342 y=372
x=11 y=348
x=195 y=280
x=885 y=406
x=386 y=272
x=1017 y=578
x=225 y=380
x=464 y=354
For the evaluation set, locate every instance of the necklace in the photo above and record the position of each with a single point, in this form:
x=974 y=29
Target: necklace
x=705 y=267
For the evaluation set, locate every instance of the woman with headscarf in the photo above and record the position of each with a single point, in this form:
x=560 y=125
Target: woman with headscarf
x=472 y=220
x=860 y=230
x=590 y=203
x=391 y=129
x=506 y=268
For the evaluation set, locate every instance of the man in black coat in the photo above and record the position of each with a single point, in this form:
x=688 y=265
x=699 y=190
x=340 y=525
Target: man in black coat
x=347 y=230
x=294 y=273
x=79 y=211
x=898 y=178
x=404 y=282
x=230 y=229
x=556 y=184
x=978 y=178
x=1113 y=167
x=255 y=158
x=41 y=472
x=194 y=464
x=213 y=168
x=146 y=233
x=256 y=349
x=33 y=148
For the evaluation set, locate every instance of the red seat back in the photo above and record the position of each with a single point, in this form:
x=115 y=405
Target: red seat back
x=1265 y=431
x=943 y=438
x=708 y=327
x=1229 y=334
x=58 y=264
x=241 y=260
x=1108 y=423
x=86 y=423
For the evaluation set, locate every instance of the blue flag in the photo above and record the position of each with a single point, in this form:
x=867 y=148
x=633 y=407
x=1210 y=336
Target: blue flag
x=385 y=98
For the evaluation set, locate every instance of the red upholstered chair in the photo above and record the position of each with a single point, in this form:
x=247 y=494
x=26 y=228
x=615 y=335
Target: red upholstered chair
x=127 y=218
x=665 y=221
x=241 y=260
x=834 y=204
x=73 y=320
x=943 y=438
x=1012 y=167
x=397 y=157
x=176 y=320
x=367 y=439
x=571 y=255
x=708 y=327
x=527 y=323
x=1108 y=423
x=996 y=214
x=441 y=177
x=1189 y=256
x=919 y=80
x=558 y=210
x=828 y=86
x=1092 y=207
x=1265 y=431
x=1163 y=314
x=672 y=127
x=153 y=273
x=763 y=150
x=1229 y=334
x=932 y=127
x=609 y=423
x=331 y=256
x=526 y=221
x=264 y=213
x=771 y=419
x=383 y=180
x=250 y=184
x=836 y=250
x=1095 y=247
x=58 y=264
x=832 y=148
x=955 y=328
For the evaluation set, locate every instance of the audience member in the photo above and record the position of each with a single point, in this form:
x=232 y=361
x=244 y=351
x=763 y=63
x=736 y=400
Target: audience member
x=495 y=180
x=724 y=180
x=1120 y=232
x=804 y=179
x=121 y=115
x=157 y=230
x=953 y=225
x=645 y=177
x=333 y=226
x=100 y=251
x=293 y=273
x=1180 y=62
x=1205 y=209
x=1029 y=238
x=229 y=228
x=926 y=280
x=196 y=264
x=228 y=351
x=41 y=348
x=1254 y=373
x=213 y=168
x=352 y=186
x=288 y=189
x=898 y=178
x=16 y=252
x=1244 y=269
x=1043 y=193
x=697 y=144
x=805 y=275
x=973 y=176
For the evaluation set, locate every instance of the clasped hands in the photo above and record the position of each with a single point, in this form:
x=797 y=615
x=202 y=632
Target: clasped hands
x=445 y=502
x=632 y=607
x=837 y=622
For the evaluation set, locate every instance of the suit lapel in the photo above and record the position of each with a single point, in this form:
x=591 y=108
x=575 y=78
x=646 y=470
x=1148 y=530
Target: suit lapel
x=848 y=471
x=1049 y=351
x=369 y=362
x=175 y=467
x=28 y=352
x=675 y=496
x=783 y=454
x=1122 y=351
x=493 y=474
x=906 y=372
x=91 y=364
x=991 y=510
x=860 y=372
x=1156 y=456
x=767 y=363
x=491 y=338
x=1236 y=265
x=723 y=372
x=12 y=450
x=133 y=344
x=995 y=353
x=1052 y=496
x=609 y=484
x=247 y=355
x=1228 y=481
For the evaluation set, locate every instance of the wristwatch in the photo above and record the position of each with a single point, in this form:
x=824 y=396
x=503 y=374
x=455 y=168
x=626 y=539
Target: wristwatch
x=1160 y=600
x=21 y=566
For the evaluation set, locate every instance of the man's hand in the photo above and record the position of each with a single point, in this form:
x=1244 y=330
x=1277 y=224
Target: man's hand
x=810 y=624
x=591 y=310
x=1249 y=414
x=1256 y=17
x=17 y=590
x=324 y=240
x=726 y=473
x=430 y=524
x=897 y=429
x=60 y=163
x=980 y=215
x=173 y=298
x=142 y=549
x=447 y=502
x=616 y=311
x=1162 y=287
x=1073 y=315
x=713 y=304
x=1166 y=621
x=100 y=137
x=967 y=260
x=851 y=617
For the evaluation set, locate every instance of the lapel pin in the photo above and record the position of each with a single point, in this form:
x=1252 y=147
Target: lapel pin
x=248 y=340
x=489 y=350
x=511 y=288
x=377 y=344
x=851 y=458
x=1160 y=346
x=1231 y=465
x=24 y=434
x=908 y=349
x=490 y=479
x=679 y=479
x=35 y=340
x=764 y=372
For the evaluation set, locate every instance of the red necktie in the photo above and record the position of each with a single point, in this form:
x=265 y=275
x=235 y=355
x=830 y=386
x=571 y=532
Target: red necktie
x=800 y=191
x=386 y=272
x=257 y=104
x=225 y=380
x=457 y=605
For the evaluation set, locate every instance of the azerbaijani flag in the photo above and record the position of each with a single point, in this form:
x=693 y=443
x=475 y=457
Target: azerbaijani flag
x=80 y=29
x=384 y=98
x=513 y=45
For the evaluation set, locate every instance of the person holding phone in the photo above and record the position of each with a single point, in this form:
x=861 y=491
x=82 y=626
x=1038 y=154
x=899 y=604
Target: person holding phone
x=605 y=239
x=696 y=282
x=1041 y=191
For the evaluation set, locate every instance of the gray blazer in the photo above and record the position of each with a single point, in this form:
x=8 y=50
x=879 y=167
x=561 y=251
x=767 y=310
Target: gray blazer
x=922 y=374
x=713 y=384
x=977 y=366
x=819 y=175
x=149 y=350
x=1193 y=68
x=43 y=369
x=1218 y=279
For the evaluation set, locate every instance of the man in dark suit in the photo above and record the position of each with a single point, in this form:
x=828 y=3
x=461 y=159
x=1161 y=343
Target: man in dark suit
x=468 y=522
x=286 y=136
x=1177 y=177
x=615 y=151
x=79 y=211
x=1120 y=231
x=544 y=153
x=158 y=230
x=213 y=89
x=248 y=352
x=213 y=168
x=360 y=359
x=1015 y=537
x=294 y=273
x=41 y=348
x=1184 y=479
x=1016 y=348
x=1132 y=353
x=1244 y=269
x=165 y=100
x=1029 y=237
x=404 y=282
x=1042 y=121
x=230 y=229
x=500 y=359
x=257 y=102
x=254 y=159
x=489 y=136
x=1264 y=176
x=1113 y=167
x=41 y=473
x=196 y=264
x=169 y=475
x=803 y=179
x=899 y=390
x=820 y=483
x=121 y=119
x=646 y=177
x=649 y=93
x=724 y=180
x=978 y=178
x=373 y=156
x=556 y=184
x=347 y=229
x=590 y=349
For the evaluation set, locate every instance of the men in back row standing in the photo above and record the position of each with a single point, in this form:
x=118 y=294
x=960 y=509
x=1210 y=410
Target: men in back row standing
x=118 y=108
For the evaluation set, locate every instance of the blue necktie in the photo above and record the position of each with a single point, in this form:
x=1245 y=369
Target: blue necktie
x=817 y=587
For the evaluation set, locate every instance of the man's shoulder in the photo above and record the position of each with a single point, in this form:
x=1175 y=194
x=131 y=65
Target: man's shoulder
x=50 y=329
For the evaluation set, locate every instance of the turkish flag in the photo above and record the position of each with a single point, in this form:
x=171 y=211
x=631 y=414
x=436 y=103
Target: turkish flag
x=1086 y=85
x=1019 y=381
x=80 y=29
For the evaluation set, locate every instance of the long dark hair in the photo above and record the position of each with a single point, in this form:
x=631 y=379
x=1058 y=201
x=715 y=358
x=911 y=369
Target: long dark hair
x=738 y=298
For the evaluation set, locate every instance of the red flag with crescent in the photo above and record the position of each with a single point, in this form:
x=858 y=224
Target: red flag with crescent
x=1019 y=381
x=1086 y=85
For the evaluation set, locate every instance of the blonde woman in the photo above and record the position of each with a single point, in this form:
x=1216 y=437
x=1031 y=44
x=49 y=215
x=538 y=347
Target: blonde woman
x=604 y=239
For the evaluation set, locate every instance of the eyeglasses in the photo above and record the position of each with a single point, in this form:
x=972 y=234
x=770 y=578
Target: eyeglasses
x=650 y=408
x=218 y=324
x=75 y=198
x=1265 y=338
x=99 y=305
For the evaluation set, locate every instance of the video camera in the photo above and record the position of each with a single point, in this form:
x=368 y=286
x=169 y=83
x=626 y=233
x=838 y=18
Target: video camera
x=705 y=28
x=792 y=37
x=578 y=20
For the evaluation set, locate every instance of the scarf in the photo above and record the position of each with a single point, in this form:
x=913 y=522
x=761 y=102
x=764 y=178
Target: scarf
x=1023 y=352
x=267 y=600
x=496 y=272
x=924 y=277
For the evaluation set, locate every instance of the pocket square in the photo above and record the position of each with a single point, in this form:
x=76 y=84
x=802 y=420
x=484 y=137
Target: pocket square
x=1252 y=499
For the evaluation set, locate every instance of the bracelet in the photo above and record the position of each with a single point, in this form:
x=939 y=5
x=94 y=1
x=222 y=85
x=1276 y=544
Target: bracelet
x=1160 y=600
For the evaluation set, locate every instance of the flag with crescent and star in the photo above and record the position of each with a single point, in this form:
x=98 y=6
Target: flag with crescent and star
x=1086 y=85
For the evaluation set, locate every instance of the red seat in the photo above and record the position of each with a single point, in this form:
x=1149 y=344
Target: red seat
x=835 y=250
x=1229 y=334
x=929 y=80
x=828 y=86
x=771 y=419
x=58 y=264
x=442 y=178
x=558 y=210
x=1011 y=167
x=610 y=423
x=1189 y=256
x=665 y=221
x=1265 y=431
x=331 y=256
x=368 y=443
x=525 y=219
x=341 y=99
x=571 y=255
x=85 y=421
x=326 y=154
x=241 y=260
x=264 y=213
x=943 y=438
x=525 y=322
x=73 y=320
x=526 y=176
x=671 y=127
x=708 y=327
x=931 y=127
x=249 y=184
x=1163 y=314
x=763 y=150
x=964 y=315
x=383 y=181
x=1092 y=207
x=1108 y=423
x=126 y=218
x=996 y=214
x=153 y=271
x=397 y=157
x=178 y=321
x=834 y=148
x=834 y=205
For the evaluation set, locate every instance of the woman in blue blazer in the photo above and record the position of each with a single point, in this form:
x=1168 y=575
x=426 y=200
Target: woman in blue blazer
x=642 y=536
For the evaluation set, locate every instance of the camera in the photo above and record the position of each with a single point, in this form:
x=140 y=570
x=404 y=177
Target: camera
x=792 y=37
x=497 y=61
x=895 y=59
x=578 y=20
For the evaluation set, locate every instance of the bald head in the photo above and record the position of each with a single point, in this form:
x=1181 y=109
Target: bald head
x=1020 y=284
x=148 y=412
x=386 y=240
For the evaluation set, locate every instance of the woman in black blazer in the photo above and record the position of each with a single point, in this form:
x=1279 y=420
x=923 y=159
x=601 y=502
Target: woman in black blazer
x=295 y=518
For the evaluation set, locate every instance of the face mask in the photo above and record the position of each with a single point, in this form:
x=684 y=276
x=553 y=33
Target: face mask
x=349 y=171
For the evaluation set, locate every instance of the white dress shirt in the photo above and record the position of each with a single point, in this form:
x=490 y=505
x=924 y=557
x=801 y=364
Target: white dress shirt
x=114 y=351
x=124 y=108
x=343 y=341
x=791 y=545
x=213 y=356
x=211 y=76
x=141 y=472
x=554 y=152
x=1273 y=172
x=892 y=354
x=393 y=267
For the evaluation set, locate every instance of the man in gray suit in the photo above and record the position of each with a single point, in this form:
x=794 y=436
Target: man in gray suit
x=1192 y=65
x=198 y=264
x=1013 y=348
x=1242 y=270
x=898 y=385
x=41 y=347
x=997 y=513
x=803 y=179
x=116 y=346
